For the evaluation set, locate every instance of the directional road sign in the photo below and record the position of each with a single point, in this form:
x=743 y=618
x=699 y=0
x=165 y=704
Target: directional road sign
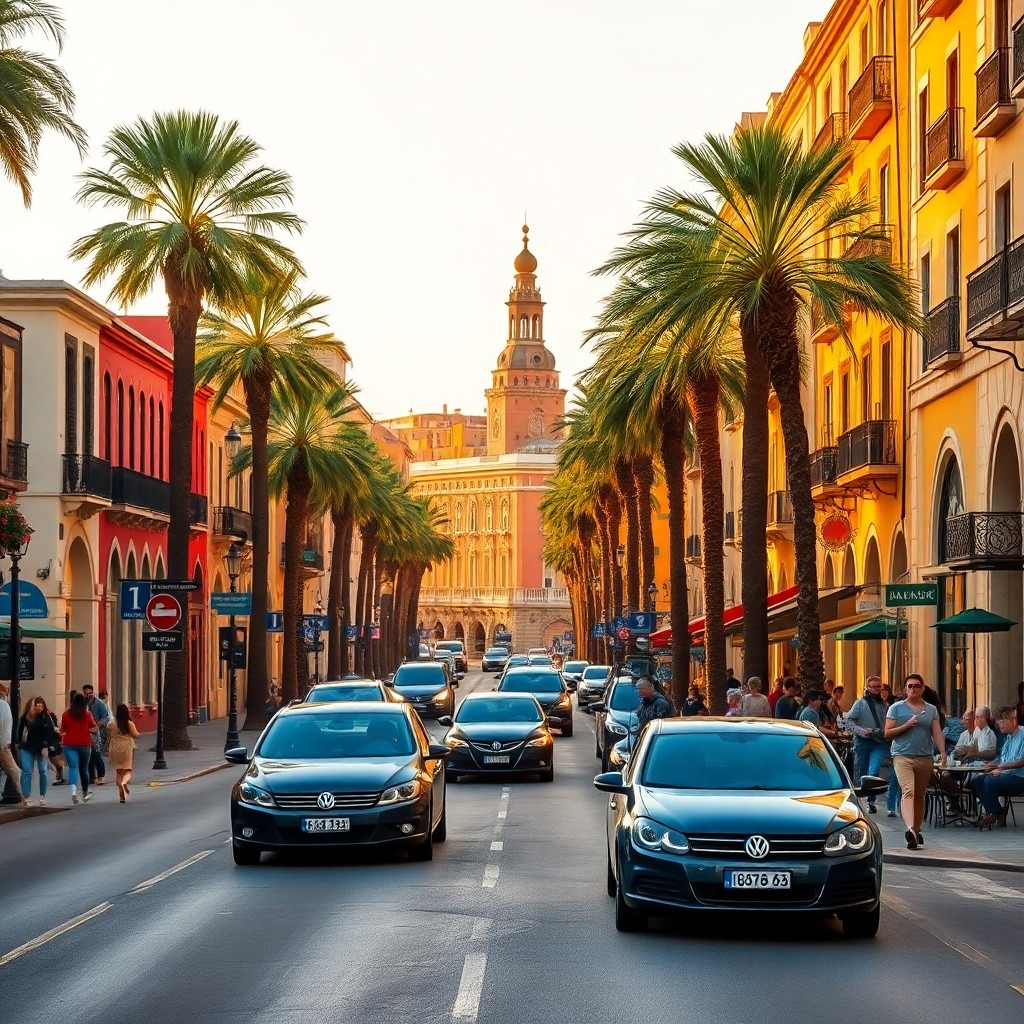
x=622 y=633
x=641 y=622
x=135 y=594
x=163 y=611
x=231 y=602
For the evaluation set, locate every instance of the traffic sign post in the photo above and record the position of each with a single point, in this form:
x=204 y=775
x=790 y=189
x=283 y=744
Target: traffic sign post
x=163 y=611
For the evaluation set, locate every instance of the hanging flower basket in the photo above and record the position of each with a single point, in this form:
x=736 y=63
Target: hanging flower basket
x=15 y=532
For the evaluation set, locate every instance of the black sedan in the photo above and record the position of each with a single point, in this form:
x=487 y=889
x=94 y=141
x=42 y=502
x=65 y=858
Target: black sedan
x=342 y=776
x=494 y=659
x=740 y=814
x=592 y=684
x=427 y=686
x=547 y=685
x=499 y=732
x=615 y=717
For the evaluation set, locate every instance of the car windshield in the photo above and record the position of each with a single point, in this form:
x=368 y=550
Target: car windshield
x=496 y=652
x=740 y=760
x=449 y=645
x=336 y=734
x=345 y=693
x=518 y=659
x=574 y=666
x=419 y=675
x=498 y=709
x=532 y=682
x=596 y=672
x=624 y=697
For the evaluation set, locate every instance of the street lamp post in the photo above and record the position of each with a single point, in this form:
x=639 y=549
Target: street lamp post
x=233 y=567
x=387 y=597
x=652 y=597
x=617 y=644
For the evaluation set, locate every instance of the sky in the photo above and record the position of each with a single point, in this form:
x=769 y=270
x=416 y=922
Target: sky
x=417 y=133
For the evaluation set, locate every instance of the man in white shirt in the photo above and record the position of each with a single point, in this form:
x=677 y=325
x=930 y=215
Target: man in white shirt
x=978 y=741
x=8 y=766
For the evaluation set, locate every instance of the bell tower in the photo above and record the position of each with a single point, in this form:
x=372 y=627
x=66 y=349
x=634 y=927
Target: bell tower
x=524 y=401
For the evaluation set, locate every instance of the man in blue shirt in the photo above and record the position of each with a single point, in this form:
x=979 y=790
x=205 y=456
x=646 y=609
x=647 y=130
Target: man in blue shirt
x=1005 y=775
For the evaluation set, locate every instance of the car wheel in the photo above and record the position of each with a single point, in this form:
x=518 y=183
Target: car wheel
x=626 y=918
x=424 y=850
x=566 y=729
x=441 y=829
x=549 y=775
x=245 y=856
x=611 y=885
x=862 y=925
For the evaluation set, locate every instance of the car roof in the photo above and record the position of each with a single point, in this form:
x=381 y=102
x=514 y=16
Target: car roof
x=370 y=707
x=346 y=682
x=767 y=726
x=498 y=695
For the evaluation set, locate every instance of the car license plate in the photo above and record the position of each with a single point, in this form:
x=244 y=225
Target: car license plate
x=496 y=759
x=757 y=880
x=325 y=824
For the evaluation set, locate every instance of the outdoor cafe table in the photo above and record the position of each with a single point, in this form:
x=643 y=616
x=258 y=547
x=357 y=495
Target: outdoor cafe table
x=964 y=795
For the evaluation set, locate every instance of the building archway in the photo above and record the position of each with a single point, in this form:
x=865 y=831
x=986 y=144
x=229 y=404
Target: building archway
x=872 y=581
x=898 y=564
x=828 y=650
x=479 y=644
x=81 y=663
x=460 y=632
x=848 y=676
x=114 y=662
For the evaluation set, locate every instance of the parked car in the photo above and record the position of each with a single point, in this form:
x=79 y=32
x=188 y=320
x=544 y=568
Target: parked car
x=734 y=814
x=351 y=688
x=427 y=686
x=499 y=732
x=358 y=774
x=539 y=659
x=537 y=650
x=457 y=648
x=494 y=659
x=615 y=717
x=514 y=661
x=572 y=672
x=593 y=682
x=447 y=659
x=547 y=686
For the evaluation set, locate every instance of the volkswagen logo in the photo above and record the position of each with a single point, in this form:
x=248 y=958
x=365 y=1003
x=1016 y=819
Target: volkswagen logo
x=756 y=847
x=496 y=745
x=325 y=801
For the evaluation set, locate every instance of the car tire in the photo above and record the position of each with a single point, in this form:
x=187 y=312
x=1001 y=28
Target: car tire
x=441 y=828
x=424 y=850
x=549 y=775
x=862 y=925
x=566 y=729
x=452 y=777
x=245 y=856
x=611 y=885
x=626 y=918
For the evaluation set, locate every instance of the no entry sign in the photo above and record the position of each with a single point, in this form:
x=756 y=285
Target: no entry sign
x=163 y=611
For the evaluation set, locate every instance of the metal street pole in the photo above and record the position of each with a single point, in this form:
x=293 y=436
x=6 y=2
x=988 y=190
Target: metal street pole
x=14 y=648
x=233 y=566
x=160 y=761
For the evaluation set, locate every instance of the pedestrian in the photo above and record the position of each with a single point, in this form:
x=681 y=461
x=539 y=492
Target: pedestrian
x=8 y=766
x=866 y=719
x=731 y=682
x=809 y=712
x=912 y=724
x=55 y=753
x=775 y=693
x=754 y=704
x=36 y=733
x=835 y=701
x=121 y=738
x=732 y=700
x=77 y=729
x=694 y=704
x=1005 y=775
x=101 y=716
x=787 y=706
x=652 y=704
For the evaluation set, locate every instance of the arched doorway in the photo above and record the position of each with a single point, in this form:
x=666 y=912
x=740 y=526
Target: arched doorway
x=81 y=652
x=439 y=630
x=131 y=641
x=1006 y=596
x=951 y=648
x=114 y=628
x=872 y=581
x=198 y=697
x=460 y=632
x=479 y=638
x=848 y=676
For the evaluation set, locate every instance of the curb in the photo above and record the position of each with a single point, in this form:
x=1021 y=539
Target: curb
x=961 y=863
x=156 y=783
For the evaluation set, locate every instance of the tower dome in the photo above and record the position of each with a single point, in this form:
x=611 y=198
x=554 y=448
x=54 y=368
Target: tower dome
x=526 y=262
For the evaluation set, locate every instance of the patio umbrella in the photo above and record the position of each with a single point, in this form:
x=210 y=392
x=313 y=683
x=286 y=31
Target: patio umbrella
x=882 y=627
x=974 y=620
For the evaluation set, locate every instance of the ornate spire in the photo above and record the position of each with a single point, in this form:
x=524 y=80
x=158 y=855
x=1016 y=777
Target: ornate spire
x=526 y=262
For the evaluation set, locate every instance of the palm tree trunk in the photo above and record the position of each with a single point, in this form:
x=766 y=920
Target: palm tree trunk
x=613 y=515
x=257 y=401
x=673 y=460
x=643 y=475
x=347 y=611
x=184 y=309
x=779 y=342
x=627 y=492
x=295 y=523
x=368 y=533
x=703 y=393
x=753 y=536
x=378 y=644
x=339 y=571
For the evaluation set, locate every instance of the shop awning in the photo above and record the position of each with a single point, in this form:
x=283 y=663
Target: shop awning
x=39 y=631
x=733 y=618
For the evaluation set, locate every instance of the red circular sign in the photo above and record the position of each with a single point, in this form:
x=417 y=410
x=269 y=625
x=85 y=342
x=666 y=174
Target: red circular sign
x=623 y=633
x=163 y=611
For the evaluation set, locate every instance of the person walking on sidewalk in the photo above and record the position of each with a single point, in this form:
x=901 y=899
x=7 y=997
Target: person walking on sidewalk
x=77 y=729
x=8 y=766
x=867 y=720
x=121 y=738
x=97 y=707
x=912 y=724
x=36 y=732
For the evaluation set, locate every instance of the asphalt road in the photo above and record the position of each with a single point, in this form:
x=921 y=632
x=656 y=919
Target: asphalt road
x=136 y=913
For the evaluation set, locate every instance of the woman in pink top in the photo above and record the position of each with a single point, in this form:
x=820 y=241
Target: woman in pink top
x=77 y=727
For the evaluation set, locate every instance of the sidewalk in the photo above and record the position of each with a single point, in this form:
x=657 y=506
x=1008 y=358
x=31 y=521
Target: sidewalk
x=1002 y=849
x=206 y=756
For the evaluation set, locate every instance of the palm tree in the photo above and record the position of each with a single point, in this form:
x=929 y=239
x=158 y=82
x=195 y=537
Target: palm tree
x=271 y=340
x=758 y=243
x=200 y=217
x=35 y=94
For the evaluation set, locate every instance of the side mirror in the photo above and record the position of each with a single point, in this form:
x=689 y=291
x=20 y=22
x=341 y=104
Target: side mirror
x=870 y=785
x=610 y=782
x=445 y=720
x=597 y=705
x=237 y=755
x=438 y=750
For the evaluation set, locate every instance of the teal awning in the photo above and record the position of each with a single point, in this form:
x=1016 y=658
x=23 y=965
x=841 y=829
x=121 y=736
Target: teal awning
x=39 y=631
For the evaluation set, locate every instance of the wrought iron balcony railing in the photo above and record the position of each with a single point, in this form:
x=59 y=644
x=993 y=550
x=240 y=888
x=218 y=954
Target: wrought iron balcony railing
x=995 y=106
x=871 y=443
x=871 y=98
x=16 y=462
x=942 y=332
x=1017 y=85
x=824 y=462
x=197 y=509
x=995 y=288
x=128 y=487
x=944 y=149
x=229 y=521
x=985 y=538
x=86 y=474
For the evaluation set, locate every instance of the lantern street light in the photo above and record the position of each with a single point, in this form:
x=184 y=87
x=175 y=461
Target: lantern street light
x=652 y=597
x=232 y=443
x=233 y=567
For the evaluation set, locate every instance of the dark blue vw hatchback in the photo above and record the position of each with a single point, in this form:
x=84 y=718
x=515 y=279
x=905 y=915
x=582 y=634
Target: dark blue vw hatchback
x=740 y=814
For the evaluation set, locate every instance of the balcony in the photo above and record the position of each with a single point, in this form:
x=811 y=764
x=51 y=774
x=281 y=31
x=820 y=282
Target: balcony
x=935 y=8
x=867 y=454
x=944 y=160
x=835 y=129
x=13 y=466
x=824 y=462
x=985 y=541
x=197 y=510
x=693 y=547
x=996 y=105
x=730 y=528
x=780 y=516
x=312 y=560
x=1017 y=85
x=229 y=521
x=87 y=481
x=877 y=243
x=138 y=499
x=490 y=596
x=995 y=296
x=823 y=329
x=871 y=99
x=942 y=334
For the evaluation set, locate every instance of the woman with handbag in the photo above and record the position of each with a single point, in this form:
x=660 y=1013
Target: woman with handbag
x=121 y=738
x=35 y=734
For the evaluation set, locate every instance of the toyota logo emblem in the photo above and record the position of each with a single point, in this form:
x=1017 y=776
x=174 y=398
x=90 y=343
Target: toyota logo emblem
x=325 y=801
x=496 y=745
x=756 y=847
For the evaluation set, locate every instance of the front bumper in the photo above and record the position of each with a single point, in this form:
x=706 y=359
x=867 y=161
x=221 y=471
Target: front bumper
x=427 y=708
x=470 y=760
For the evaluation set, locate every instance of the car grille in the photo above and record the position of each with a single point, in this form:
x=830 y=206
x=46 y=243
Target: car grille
x=342 y=801
x=488 y=748
x=719 y=895
x=780 y=847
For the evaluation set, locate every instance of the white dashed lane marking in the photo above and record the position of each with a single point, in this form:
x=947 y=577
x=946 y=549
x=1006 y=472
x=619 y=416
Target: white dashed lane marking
x=467 y=1002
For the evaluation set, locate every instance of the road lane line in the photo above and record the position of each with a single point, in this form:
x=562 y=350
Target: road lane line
x=497 y=845
x=150 y=882
x=467 y=1002
x=490 y=876
x=53 y=933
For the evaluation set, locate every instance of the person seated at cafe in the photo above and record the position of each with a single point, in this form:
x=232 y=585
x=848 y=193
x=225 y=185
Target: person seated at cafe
x=1003 y=777
x=835 y=701
x=978 y=740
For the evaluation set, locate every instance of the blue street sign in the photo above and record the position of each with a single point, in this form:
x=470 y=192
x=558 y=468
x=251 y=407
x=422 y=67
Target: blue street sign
x=597 y=630
x=228 y=603
x=309 y=632
x=31 y=603
x=567 y=635
x=275 y=622
x=321 y=622
x=618 y=622
x=135 y=595
x=374 y=630
x=351 y=632
x=641 y=622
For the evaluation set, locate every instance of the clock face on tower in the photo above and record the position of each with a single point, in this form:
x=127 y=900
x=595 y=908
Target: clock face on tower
x=536 y=425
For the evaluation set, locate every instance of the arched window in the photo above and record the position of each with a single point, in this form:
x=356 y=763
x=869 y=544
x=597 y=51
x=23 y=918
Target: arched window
x=142 y=433
x=120 y=423
x=536 y=325
x=524 y=327
x=489 y=517
x=504 y=515
x=458 y=518
x=160 y=434
x=131 y=427
x=152 y=439
x=106 y=417
x=951 y=503
x=472 y=517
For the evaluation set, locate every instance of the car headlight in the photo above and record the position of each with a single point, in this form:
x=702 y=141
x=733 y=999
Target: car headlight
x=399 y=794
x=563 y=701
x=540 y=741
x=441 y=697
x=855 y=838
x=653 y=836
x=616 y=728
x=453 y=742
x=250 y=794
